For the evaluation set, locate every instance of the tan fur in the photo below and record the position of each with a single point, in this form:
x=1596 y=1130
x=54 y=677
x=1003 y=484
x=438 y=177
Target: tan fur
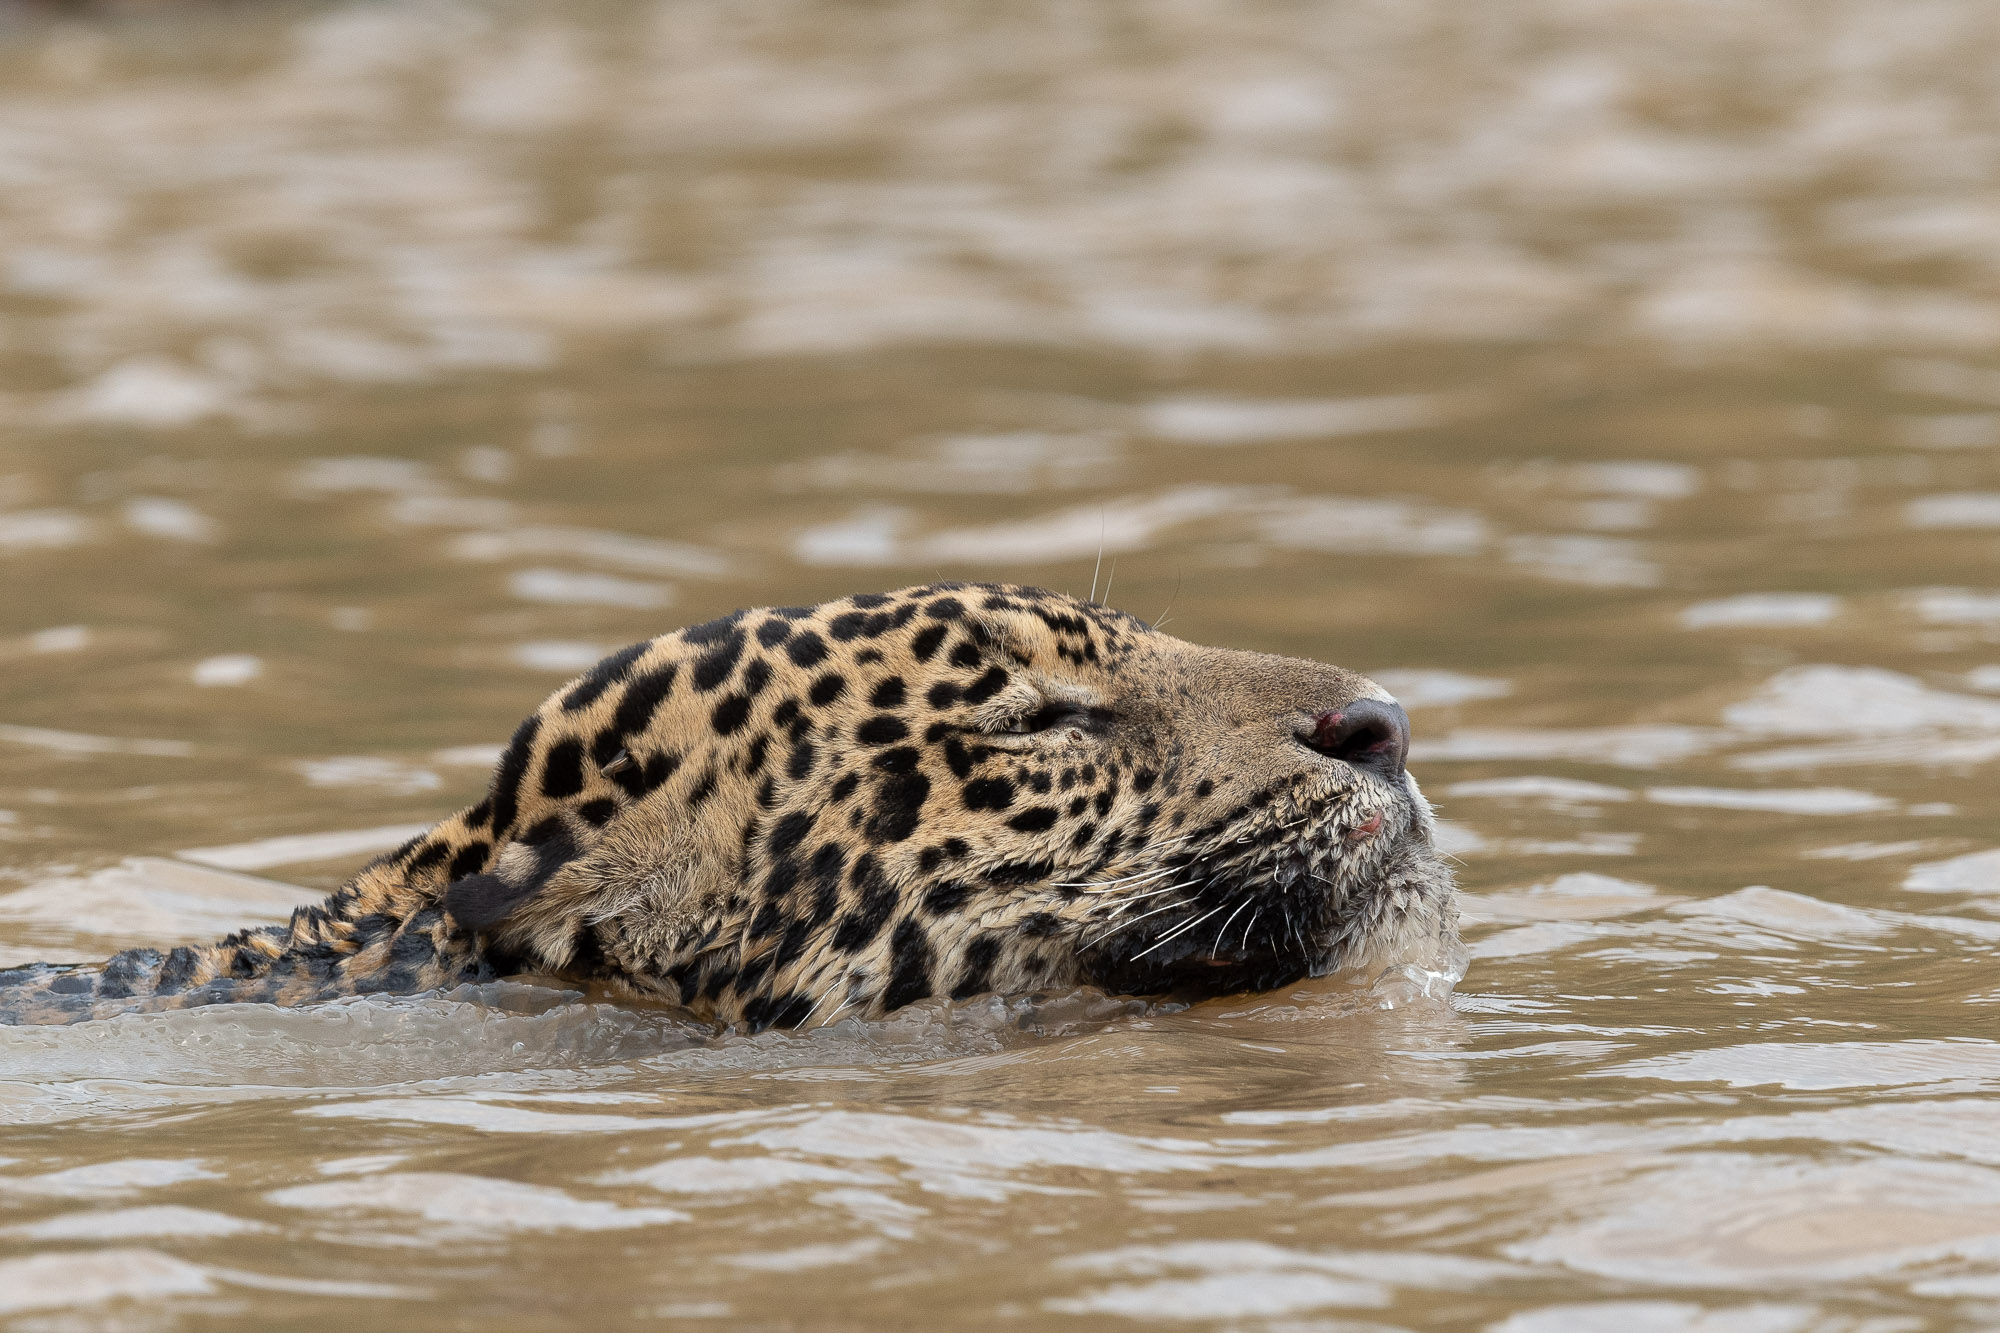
x=784 y=816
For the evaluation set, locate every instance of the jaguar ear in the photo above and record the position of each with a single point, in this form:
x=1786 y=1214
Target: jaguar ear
x=647 y=884
x=481 y=903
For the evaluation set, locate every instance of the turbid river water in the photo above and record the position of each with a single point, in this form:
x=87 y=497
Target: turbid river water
x=1619 y=383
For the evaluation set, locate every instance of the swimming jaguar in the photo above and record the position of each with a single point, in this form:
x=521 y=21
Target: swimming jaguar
x=792 y=815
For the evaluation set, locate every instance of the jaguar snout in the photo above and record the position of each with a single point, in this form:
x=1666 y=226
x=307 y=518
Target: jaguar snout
x=1370 y=734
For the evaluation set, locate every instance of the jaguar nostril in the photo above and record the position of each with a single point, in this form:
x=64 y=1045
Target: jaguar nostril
x=1367 y=733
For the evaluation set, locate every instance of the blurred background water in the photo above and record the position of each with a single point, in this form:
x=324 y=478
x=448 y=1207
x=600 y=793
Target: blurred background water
x=1618 y=381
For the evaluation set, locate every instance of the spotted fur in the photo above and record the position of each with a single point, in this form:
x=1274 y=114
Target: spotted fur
x=793 y=814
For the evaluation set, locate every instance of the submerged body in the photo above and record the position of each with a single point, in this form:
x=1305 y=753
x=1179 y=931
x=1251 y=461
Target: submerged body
x=788 y=815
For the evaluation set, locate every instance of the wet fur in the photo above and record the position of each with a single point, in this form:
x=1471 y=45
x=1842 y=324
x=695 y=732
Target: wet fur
x=786 y=815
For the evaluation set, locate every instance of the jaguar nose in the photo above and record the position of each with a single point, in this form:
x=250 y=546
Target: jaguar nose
x=1368 y=733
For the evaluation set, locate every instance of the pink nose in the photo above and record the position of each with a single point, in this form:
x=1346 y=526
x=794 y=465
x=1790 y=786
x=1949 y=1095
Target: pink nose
x=1368 y=733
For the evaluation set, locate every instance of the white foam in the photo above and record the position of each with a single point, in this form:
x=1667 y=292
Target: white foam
x=112 y=1179
x=1224 y=1296
x=227 y=669
x=344 y=475
x=1662 y=1317
x=1856 y=701
x=1797 y=801
x=1965 y=509
x=1955 y=606
x=1638 y=479
x=1748 y=302
x=367 y=770
x=983 y=1158
x=1598 y=562
x=869 y=536
x=1933 y=752
x=1787 y=914
x=60 y=639
x=439 y=510
x=299 y=848
x=146 y=391
x=1754 y=1222
x=1768 y=610
x=81 y=743
x=1429 y=687
x=169 y=1221
x=1578 y=896
x=565 y=656
x=1226 y=1280
x=1373 y=526
x=1864 y=851
x=1128 y=523
x=1189 y=419
x=43 y=530
x=565 y=587
x=456 y=1203
x=67 y=1281
x=152 y=900
x=1626 y=747
x=468 y=756
x=638 y=555
x=1823 y=1066
x=1116 y=526
x=175 y=520
x=480 y=1114
x=1975 y=872
x=736 y=1175
x=1555 y=791
x=1004 y=463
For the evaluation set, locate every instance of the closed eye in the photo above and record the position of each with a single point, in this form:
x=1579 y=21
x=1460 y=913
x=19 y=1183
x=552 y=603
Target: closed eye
x=1053 y=716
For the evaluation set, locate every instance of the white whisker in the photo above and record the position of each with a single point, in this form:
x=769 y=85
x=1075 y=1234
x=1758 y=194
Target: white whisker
x=1224 y=928
x=1249 y=926
x=1176 y=933
x=1123 y=901
x=1108 y=883
x=1128 y=924
x=827 y=995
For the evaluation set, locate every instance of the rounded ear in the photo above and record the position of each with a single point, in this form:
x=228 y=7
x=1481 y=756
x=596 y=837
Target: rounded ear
x=483 y=902
x=642 y=890
x=480 y=902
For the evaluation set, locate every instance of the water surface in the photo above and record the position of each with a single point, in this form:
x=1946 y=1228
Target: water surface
x=1619 y=384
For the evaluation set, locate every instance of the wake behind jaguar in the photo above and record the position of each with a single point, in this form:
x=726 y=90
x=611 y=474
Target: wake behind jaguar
x=792 y=815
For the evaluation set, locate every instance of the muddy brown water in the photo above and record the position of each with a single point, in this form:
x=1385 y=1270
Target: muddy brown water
x=1618 y=383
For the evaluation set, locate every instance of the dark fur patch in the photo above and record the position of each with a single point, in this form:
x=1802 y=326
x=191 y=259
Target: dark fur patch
x=513 y=767
x=470 y=858
x=562 y=770
x=976 y=977
x=909 y=966
x=730 y=714
x=714 y=666
x=899 y=803
x=480 y=902
x=989 y=794
x=807 y=649
x=988 y=685
x=603 y=676
x=642 y=699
